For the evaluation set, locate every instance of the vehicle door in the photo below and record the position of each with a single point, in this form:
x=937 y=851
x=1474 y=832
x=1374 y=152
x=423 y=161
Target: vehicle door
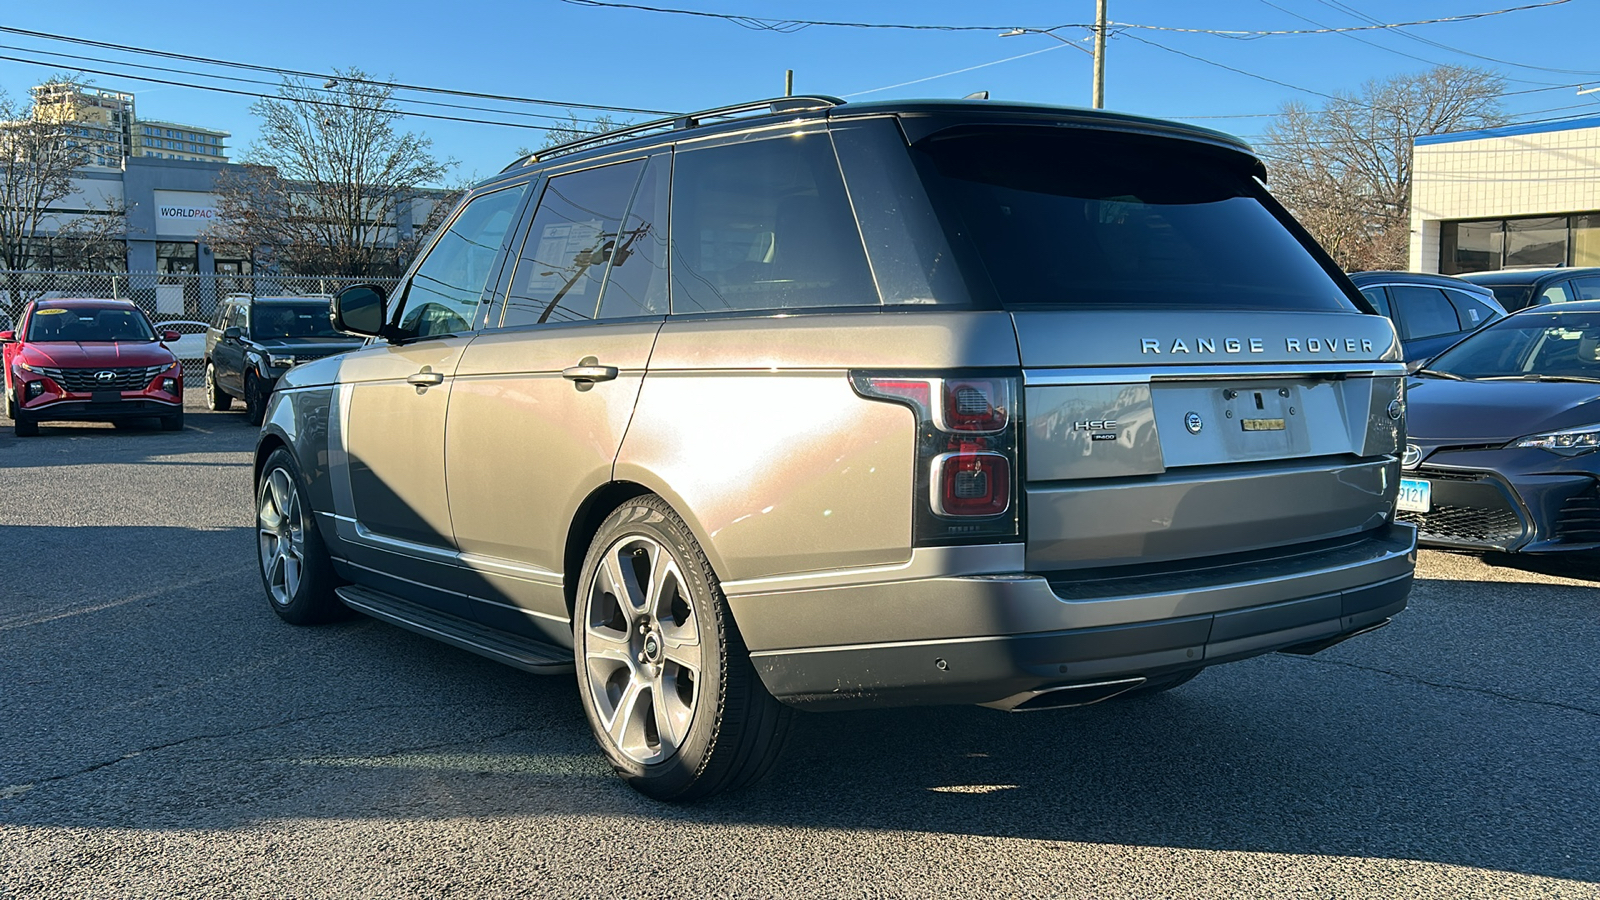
x=543 y=396
x=1427 y=322
x=390 y=408
x=227 y=354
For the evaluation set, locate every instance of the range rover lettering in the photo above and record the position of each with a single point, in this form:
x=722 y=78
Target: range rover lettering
x=806 y=404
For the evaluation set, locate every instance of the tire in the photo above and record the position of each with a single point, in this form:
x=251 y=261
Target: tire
x=292 y=560
x=650 y=617
x=255 y=405
x=172 y=422
x=25 y=426
x=216 y=398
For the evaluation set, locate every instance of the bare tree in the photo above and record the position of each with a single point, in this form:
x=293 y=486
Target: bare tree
x=38 y=156
x=1345 y=169
x=318 y=191
x=576 y=128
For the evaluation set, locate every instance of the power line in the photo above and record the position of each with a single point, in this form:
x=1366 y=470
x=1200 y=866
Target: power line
x=789 y=26
x=1432 y=43
x=222 y=90
x=241 y=80
x=294 y=73
x=1210 y=62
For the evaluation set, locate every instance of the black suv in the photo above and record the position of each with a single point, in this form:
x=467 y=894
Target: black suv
x=1431 y=312
x=254 y=340
x=1519 y=288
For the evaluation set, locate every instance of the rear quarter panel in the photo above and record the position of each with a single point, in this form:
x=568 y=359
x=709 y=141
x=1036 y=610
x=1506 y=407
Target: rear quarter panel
x=750 y=428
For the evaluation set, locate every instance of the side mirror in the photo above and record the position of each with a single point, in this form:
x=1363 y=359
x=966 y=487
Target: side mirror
x=170 y=336
x=7 y=337
x=232 y=333
x=360 y=309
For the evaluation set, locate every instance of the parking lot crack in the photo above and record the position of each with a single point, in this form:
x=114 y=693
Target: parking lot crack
x=1452 y=686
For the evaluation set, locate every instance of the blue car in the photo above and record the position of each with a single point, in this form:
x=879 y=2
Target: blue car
x=1503 y=432
x=1430 y=312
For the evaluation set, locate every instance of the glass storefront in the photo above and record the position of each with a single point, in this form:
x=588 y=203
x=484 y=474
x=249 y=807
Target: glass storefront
x=1505 y=243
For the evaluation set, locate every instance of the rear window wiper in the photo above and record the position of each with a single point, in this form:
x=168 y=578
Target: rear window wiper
x=1438 y=374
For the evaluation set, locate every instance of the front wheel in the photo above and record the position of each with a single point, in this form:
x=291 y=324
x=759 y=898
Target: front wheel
x=295 y=568
x=173 y=422
x=255 y=403
x=664 y=676
x=24 y=425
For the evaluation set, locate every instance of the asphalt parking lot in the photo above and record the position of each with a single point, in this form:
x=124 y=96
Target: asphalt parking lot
x=163 y=734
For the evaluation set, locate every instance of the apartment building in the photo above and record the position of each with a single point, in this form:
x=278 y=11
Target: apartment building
x=173 y=140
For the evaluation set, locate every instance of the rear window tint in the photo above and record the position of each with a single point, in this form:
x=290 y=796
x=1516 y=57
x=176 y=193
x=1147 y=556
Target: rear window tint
x=1072 y=219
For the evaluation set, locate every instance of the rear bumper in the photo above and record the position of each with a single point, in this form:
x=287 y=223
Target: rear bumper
x=998 y=638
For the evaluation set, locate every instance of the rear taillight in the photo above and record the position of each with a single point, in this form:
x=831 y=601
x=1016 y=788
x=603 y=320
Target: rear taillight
x=966 y=452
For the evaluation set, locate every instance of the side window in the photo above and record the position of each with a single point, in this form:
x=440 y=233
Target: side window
x=219 y=319
x=1555 y=293
x=1426 y=312
x=574 y=238
x=1471 y=312
x=765 y=225
x=1378 y=299
x=1586 y=288
x=443 y=294
x=637 y=283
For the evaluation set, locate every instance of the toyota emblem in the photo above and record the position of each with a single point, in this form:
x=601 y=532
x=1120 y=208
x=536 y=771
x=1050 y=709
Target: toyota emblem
x=105 y=377
x=1193 y=422
x=1412 y=457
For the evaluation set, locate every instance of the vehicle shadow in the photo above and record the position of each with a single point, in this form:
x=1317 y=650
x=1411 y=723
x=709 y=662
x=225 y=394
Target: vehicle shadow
x=202 y=710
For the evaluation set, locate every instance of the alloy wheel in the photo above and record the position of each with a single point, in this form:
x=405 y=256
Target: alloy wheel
x=642 y=650
x=282 y=540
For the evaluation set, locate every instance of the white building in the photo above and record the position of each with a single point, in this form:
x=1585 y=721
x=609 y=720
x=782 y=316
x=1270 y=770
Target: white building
x=1519 y=195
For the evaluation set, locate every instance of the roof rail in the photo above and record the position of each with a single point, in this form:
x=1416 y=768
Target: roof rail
x=773 y=106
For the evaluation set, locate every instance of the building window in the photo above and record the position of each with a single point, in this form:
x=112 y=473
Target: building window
x=1532 y=241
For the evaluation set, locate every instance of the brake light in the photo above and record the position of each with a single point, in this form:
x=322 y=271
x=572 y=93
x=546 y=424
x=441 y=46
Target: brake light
x=966 y=452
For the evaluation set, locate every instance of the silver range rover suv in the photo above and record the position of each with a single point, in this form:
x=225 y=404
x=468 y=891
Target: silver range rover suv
x=806 y=404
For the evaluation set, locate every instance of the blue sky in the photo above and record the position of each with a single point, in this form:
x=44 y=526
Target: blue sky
x=557 y=50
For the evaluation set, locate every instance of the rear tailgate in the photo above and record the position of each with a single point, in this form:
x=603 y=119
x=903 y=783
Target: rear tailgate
x=1176 y=434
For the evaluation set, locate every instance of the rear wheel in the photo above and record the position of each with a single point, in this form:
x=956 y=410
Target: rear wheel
x=294 y=564
x=665 y=679
x=215 y=397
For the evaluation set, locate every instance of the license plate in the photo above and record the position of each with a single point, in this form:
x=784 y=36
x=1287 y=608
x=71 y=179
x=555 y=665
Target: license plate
x=105 y=397
x=1416 y=495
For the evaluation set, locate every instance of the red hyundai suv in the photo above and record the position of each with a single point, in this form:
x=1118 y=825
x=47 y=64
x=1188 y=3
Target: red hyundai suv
x=89 y=360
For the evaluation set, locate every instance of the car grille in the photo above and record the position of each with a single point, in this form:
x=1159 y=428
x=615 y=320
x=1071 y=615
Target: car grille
x=1467 y=525
x=80 y=381
x=1482 y=516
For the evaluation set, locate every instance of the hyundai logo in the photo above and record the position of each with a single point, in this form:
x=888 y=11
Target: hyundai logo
x=1412 y=457
x=105 y=377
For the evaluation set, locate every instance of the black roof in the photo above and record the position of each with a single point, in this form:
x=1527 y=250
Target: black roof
x=1386 y=276
x=935 y=112
x=1527 y=276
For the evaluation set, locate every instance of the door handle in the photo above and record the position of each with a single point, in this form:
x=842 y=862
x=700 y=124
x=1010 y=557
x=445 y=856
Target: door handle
x=426 y=378
x=588 y=369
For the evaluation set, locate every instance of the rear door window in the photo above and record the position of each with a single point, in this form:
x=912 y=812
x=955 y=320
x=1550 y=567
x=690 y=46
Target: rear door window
x=573 y=240
x=1425 y=312
x=765 y=224
x=1072 y=218
x=1471 y=312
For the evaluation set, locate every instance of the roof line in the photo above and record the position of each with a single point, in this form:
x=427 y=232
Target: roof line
x=1508 y=131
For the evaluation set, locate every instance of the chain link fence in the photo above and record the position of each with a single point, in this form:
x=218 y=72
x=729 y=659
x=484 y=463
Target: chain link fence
x=163 y=297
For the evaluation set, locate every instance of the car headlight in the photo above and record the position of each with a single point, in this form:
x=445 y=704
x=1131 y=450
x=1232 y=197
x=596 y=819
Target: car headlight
x=1567 y=442
x=279 y=362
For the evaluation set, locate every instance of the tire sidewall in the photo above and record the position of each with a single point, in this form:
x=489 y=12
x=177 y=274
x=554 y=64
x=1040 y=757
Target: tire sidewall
x=253 y=402
x=313 y=601
x=656 y=521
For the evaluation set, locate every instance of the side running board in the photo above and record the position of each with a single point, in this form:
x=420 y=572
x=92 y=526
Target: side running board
x=513 y=650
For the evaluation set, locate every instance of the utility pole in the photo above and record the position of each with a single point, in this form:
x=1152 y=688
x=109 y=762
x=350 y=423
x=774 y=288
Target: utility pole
x=1099 y=54
x=788 y=82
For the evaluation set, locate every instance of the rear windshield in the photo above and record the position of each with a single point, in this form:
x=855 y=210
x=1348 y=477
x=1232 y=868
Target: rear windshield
x=1073 y=219
x=88 y=325
x=284 y=320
